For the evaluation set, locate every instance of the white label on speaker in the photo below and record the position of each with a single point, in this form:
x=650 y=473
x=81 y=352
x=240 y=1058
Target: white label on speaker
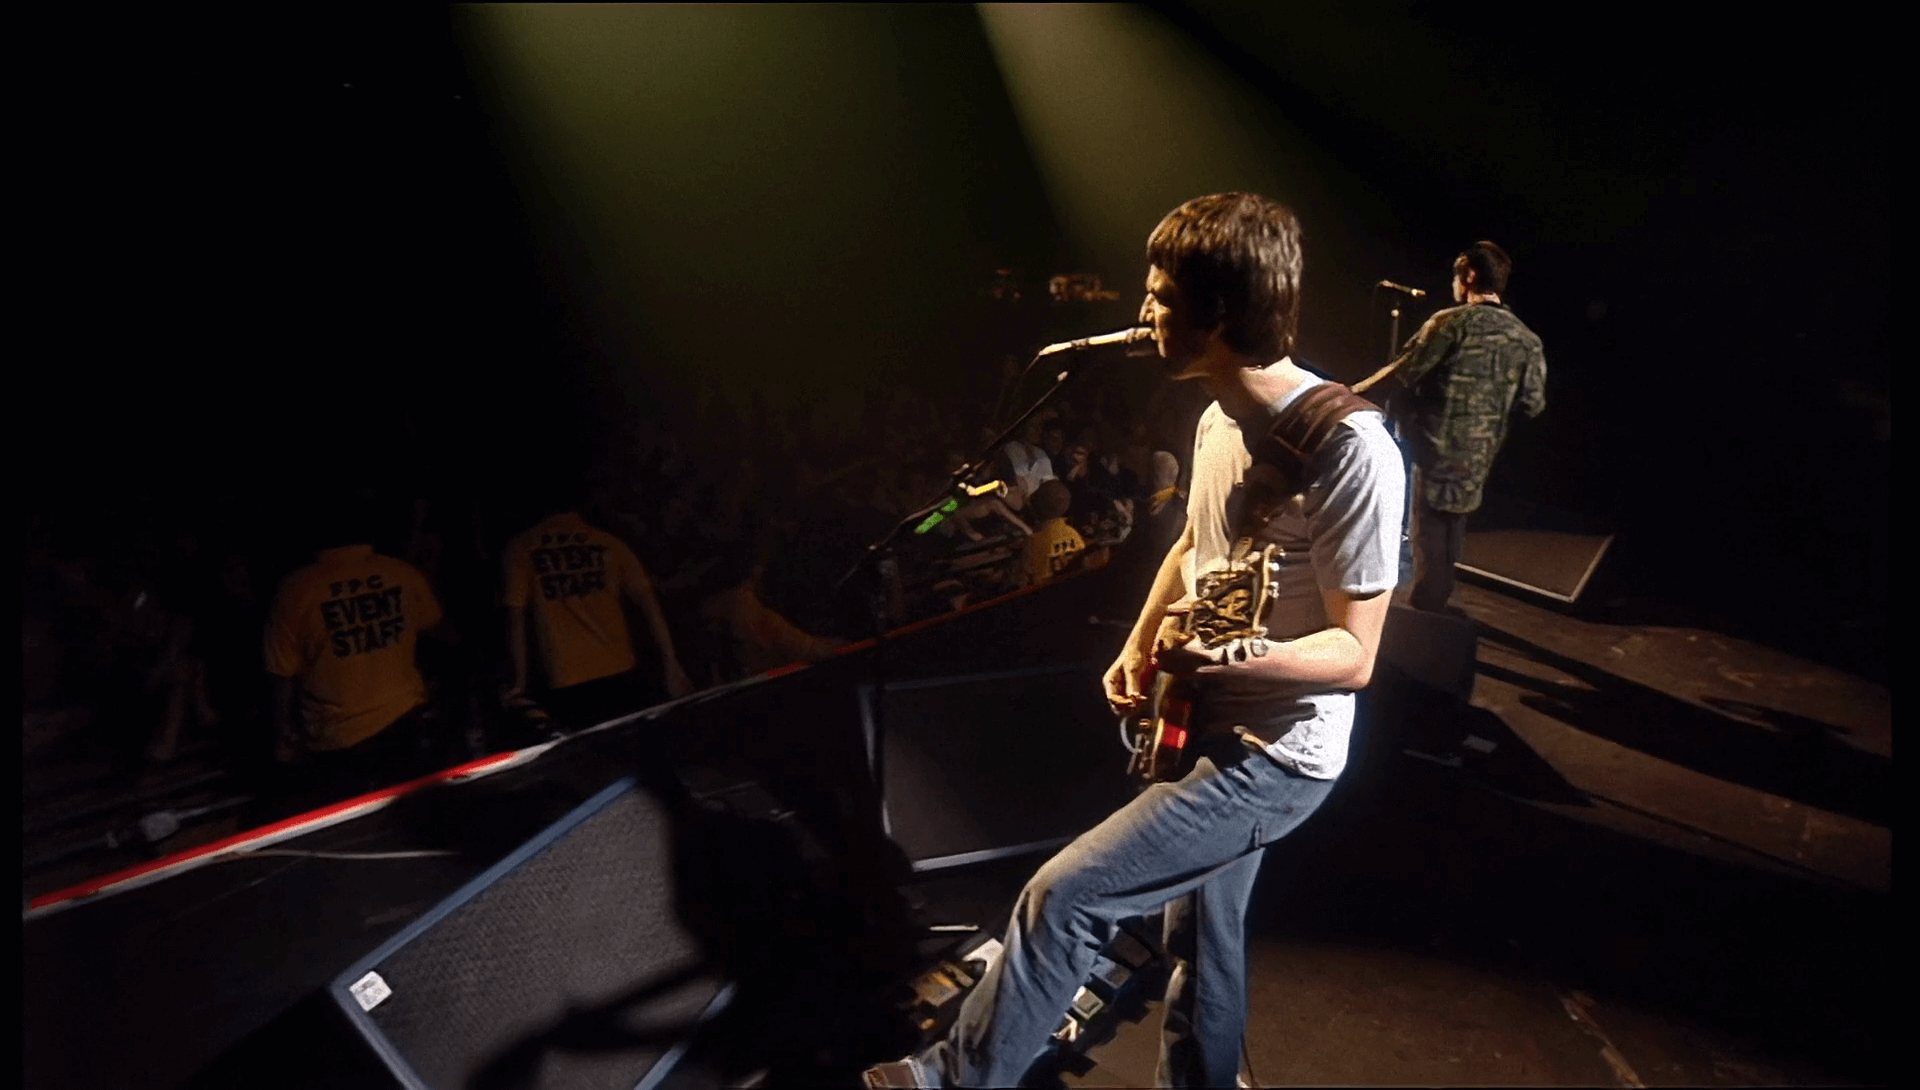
x=369 y=990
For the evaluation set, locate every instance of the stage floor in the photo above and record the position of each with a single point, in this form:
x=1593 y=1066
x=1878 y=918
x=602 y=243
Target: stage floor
x=1666 y=861
x=1642 y=855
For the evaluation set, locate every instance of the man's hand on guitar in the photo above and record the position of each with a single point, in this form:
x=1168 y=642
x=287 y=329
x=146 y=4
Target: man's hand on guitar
x=1173 y=642
x=1126 y=680
x=1183 y=660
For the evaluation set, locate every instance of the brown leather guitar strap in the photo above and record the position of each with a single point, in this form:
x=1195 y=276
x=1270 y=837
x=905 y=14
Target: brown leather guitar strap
x=1300 y=429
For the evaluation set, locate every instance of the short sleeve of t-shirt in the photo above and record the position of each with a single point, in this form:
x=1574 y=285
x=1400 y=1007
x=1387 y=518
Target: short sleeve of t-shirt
x=1430 y=345
x=288 y=642
x=516 y=575
x=428 y=614
x=1355 y=508
x=629 y=574
x=1051 y=548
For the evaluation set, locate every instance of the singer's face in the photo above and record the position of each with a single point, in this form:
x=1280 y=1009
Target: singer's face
x=1181 y=345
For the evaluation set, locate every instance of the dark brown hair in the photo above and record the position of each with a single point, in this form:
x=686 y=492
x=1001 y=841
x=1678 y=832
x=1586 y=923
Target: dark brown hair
x=1051 y=500
x=1490 y=265
x=1236 y=260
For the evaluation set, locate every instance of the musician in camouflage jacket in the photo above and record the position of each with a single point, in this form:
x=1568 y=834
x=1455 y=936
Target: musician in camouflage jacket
x=1454 y=389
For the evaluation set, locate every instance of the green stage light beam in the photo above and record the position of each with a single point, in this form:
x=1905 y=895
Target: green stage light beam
x=1128 y=117
x=762 y=197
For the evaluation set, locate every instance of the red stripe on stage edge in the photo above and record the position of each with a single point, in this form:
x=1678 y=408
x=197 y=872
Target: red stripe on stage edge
x=918 y=626
x=95 y=885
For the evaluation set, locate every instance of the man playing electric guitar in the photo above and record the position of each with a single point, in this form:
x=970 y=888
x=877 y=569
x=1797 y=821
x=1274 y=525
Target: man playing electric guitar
x=1230 y=603
x=1273 y=711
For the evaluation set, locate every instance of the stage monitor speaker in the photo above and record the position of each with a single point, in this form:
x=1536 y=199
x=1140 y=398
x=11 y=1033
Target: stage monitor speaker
x=1534 y=547
x=1557 y=565
x=986 y=766
x=564 y=966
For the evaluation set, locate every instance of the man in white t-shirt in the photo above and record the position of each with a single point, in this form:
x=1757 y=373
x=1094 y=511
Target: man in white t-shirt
x=1028 y=466
x=1274 y=713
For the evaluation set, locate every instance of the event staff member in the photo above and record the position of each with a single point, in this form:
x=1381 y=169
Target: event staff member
x=340 y=642
x=1455 y=389
x=1273 y=714
x=573 y=580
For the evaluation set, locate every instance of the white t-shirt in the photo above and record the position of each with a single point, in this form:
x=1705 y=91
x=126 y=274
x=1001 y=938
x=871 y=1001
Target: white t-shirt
x=1345 y=536
x=1030 y=465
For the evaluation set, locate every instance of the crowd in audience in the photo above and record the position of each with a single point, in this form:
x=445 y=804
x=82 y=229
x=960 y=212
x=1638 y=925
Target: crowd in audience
x=313 y=647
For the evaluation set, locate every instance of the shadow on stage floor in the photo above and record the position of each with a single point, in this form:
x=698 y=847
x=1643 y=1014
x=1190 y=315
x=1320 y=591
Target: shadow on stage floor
x=1459 y=864
x=1464 y=865
x=1740 y=742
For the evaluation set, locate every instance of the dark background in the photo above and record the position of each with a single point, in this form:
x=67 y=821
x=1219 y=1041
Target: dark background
x=285 y=246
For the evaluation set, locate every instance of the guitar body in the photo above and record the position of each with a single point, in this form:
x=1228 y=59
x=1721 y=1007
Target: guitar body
x=1159 y=741
x=1230 y=604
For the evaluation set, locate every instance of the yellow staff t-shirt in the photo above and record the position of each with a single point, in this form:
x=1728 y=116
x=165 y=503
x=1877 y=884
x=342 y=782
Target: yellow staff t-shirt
x=1052 y=547
x=571 y=578
x=345 y=627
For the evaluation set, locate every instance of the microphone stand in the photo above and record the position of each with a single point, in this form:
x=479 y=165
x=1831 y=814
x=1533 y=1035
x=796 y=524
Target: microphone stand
x=956 y=483
x=1393 y=328
x=877 y=558
x=1399 y=299
x=1401 y=294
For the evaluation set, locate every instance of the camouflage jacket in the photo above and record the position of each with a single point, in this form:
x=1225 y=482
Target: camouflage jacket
x=1459 y=381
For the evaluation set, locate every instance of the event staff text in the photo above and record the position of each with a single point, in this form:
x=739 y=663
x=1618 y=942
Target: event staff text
x=360 y=620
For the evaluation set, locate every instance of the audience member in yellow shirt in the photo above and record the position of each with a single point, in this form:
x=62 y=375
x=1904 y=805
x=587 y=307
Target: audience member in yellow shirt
x=1054 y=546
x=573 y=581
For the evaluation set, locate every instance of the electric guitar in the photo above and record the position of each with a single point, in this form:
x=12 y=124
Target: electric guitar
x=1233 y=603
x=1228 y=604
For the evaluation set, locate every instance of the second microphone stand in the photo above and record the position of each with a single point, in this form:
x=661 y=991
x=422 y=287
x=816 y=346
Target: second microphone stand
x=877 y=556
x=1074 y=357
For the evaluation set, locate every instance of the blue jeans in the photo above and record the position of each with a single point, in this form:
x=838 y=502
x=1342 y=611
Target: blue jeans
x=1201 y=839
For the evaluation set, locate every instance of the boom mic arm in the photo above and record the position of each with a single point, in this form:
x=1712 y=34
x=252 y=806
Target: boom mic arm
x=1122 y=337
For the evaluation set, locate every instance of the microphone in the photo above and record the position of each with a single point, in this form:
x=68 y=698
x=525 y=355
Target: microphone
x=973 y=491
x=1415 y=292
x=1130 y=336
